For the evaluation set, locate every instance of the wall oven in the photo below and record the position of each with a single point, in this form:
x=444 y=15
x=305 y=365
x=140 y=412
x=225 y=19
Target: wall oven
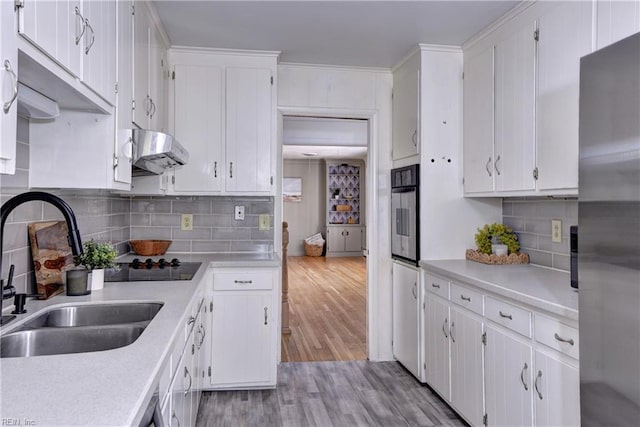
x=405 y=211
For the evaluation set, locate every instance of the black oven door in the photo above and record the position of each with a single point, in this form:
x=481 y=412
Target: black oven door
x=404 y=224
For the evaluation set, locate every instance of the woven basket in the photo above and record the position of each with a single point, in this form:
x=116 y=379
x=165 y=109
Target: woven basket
x=150 y=247
x=343 y=208
x=313 y=249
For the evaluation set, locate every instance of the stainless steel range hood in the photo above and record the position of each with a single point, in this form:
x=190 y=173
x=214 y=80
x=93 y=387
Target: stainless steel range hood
x=155 y=152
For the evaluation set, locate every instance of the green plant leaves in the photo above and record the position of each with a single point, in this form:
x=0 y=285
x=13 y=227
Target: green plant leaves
x=505 y=235
x=96 y=255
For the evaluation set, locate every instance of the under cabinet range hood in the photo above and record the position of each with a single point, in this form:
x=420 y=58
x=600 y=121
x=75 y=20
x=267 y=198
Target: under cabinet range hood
x=154 y=152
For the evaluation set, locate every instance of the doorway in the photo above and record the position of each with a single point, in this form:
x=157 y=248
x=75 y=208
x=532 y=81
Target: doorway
x=325 y=190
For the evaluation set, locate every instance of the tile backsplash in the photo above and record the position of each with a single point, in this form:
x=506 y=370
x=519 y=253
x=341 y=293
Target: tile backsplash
x=531 y=219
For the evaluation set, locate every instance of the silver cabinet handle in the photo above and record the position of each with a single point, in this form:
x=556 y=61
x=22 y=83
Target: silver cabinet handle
x=174 y=417
x=153 y=108
x=191 y=320
x=7 y=67
x=559 y=338
x=453 y=324
x=93 y=37
x=266 y=315
x=524 y=384
x=186 y=372
x=535 y=384
x=487 y=166
x=203 y=334
x=463 y=298
x=495 y=165
x=147 y=105
x=435 y=285
x=230 y=169
x=506 y=316
x=443 y=327
x=243 y=282
x=414 y=291
x=414 y=138
x=84 y=26
x=215 y=169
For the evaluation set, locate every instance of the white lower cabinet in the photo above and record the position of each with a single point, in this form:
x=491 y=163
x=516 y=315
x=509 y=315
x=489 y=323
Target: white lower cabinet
x=244 y=328
x=436 y=343
x=344 y=240
x=407 y=303
x=556 y=391
x=508 y=386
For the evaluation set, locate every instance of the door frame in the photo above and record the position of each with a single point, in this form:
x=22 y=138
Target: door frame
x=371 y=214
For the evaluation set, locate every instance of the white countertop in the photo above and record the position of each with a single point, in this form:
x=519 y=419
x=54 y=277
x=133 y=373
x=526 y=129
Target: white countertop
x=542 y=288
x=109 y=387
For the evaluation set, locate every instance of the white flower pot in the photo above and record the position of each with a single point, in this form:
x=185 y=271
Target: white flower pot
x=97 y=279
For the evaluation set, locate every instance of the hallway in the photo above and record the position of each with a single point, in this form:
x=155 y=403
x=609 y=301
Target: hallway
x=327 y=298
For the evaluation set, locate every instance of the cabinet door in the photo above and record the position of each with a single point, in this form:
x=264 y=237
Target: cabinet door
x=437 y=344
x=335 y=239
x=508 y=386
x=241 y=338
x=198 y=126
x=8 y=89
x=514 y=111
x=565 y=36
x=406 y=92
x=467 y=385
x=248 y=129
x=141 y=52
x=406 y=314
x=616 y=20
x=178 y=396
x=56 y=27
x=556 y=392
x=353 y=239
x=99 y=48
x=157 y=77
x=478 y=122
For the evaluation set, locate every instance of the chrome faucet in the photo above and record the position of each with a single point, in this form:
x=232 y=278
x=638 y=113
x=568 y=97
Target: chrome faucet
x=8 y=290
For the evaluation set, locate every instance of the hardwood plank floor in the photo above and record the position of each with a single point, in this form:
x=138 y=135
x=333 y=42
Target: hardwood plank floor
x=356 y=393
x=327 y=300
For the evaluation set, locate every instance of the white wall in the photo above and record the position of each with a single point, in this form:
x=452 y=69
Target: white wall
x=306 y=217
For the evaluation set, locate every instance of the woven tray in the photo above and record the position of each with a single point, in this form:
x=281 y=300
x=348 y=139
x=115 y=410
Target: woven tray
x=519 y=258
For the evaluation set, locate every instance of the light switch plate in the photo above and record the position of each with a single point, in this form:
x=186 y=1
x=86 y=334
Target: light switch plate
x=556 y=231
x=186 y=222
x=239 y=213
x=264 y=222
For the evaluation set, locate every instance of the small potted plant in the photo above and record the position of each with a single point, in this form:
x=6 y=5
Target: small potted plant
x=96 y=257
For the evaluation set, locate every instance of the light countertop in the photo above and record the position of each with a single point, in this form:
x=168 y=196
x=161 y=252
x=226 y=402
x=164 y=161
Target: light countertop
x=110 y=387
x=542 y=288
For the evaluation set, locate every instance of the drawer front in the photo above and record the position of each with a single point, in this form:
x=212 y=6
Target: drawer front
x=235 y=280
x=556 y=335
x=436 y=285
x=508 y=315
x=468 y=298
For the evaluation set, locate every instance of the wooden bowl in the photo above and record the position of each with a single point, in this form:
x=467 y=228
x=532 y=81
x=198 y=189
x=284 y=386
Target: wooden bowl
x=150 y=247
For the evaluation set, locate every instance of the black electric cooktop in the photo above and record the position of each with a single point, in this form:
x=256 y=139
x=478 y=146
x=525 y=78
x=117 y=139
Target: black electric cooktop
x=152 y=270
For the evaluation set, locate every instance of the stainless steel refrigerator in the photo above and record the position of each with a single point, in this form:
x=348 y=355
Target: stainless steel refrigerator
x=609 y=235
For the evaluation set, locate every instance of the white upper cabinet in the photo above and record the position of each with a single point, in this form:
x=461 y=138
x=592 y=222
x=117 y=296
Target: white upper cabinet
x=514 y=110
x=565 y=36
x=99 y=48
x=406 y=109
x=616 y=19
x=478 y=122
x=57 y=28
x=8 y=90
x=198 y=126
x=223 y=113
x=249 y=129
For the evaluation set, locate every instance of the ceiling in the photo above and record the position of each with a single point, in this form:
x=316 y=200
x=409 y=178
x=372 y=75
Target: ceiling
x=323 y=152
x=350 y=33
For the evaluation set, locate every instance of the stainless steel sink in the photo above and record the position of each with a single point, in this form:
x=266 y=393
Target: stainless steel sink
x=95 y=314
x=79 y=329
x=45 y=341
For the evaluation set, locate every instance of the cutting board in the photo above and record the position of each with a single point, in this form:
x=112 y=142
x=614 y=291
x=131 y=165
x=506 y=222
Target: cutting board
x=51 y=255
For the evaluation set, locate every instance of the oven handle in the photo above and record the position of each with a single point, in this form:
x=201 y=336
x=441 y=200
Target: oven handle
x=407 y=189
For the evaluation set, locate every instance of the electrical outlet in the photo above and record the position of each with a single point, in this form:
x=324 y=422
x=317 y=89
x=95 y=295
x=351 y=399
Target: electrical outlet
x=186 y=222
x=556 y=231
x=239 y=213
x=264 y=222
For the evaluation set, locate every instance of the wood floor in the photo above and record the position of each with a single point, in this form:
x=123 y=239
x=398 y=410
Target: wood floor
x=327 y=300
x=357 y=393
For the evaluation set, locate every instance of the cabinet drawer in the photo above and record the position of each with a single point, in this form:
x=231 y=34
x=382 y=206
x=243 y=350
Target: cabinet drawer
x=242 y=280
x=470 y=299
x=508 y=315
x=436 y=285
x=556 y=335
